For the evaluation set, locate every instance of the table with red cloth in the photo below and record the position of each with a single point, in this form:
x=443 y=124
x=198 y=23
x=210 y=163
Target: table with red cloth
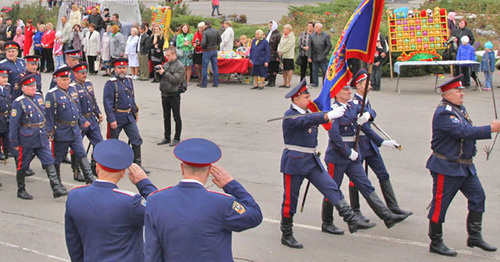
x=233 y=66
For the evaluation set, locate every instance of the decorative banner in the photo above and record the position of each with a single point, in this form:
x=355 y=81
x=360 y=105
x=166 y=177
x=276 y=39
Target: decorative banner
x=411 y=30
x=162 y=16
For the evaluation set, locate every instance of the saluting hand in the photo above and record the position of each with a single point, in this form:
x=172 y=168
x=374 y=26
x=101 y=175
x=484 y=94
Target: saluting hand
x=221 y=176
x=113 y=125
x=136 y=173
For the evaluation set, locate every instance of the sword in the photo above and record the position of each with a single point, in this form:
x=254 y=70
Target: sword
x=488 y=149
x=304 y=198
x=292 y=116
x=88 y=147
x=398 y=147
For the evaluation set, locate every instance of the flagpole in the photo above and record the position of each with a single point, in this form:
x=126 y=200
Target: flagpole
x=367 y=84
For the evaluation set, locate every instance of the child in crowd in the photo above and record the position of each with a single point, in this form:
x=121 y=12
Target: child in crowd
x=488 y=65
x=19 y=38
x=58 y=50
x=243 y=46
x=465 y=52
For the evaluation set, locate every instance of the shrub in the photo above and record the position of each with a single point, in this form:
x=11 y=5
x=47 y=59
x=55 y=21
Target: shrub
x=34 y=10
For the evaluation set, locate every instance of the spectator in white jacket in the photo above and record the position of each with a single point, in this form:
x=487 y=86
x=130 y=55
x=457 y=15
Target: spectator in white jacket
x=92 y=45
x=131 y=52
x=227 y=37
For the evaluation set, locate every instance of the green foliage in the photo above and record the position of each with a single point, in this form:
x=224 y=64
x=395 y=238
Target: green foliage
x=34 y=11
x=192 y=21
x=146 y=13
x=178 y=8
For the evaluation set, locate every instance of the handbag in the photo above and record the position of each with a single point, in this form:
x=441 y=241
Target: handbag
x=298 y=61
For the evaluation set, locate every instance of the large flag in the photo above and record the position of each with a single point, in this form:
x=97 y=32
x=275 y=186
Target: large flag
x=358 y=40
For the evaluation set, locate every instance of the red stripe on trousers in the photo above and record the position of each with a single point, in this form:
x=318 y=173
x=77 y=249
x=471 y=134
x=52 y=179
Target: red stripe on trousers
x=331 y=170
x=439 y=198
x=20 y=158
x=351 y=184
x=52 y=148
x=286 y=208
x=108 y=136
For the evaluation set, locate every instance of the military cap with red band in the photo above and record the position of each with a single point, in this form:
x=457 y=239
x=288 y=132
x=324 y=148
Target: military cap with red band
x=80 y=67
x=298 y=90
x=11 y=45
x=358 y=77
x=32 y=59
x=197 y=152
x=63 y=71
x=451 y=84
x=27 y=80
x=120 y=62
x=73 y=53
x=4 y=71
x=113 y=155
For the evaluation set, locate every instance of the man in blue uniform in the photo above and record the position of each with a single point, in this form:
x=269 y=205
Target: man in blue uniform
x=64 y=120
x=32 y=62
x=188 y=223
x=121 y=110
x=300 y=160
x=102 y=222
x=453 y=147
x=15 y=65
x=341 y=157
x=72 y=59
x=5 y=103
x=28 y=136
x=368 y=148
x=88 y=106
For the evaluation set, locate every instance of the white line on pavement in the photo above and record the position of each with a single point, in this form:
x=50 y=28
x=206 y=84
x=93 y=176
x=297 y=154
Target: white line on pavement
x=34 y=251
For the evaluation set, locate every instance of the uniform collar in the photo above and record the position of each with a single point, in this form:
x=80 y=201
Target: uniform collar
x=104 y=183
x=192 y=181
x=296 y=107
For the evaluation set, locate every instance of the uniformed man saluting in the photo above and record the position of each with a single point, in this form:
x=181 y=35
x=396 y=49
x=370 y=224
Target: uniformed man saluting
x=104 y=223
x=88 y=106
x=28 y=136
x=121 y=110
x=300 y=160
x=453 y=147
x=64 y=119
x=342 y=158
x=188 y=223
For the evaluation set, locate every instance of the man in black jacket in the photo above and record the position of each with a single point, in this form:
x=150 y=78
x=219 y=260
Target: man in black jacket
x=172 y=76
x=10 y=30
x=96 y=19
x=209 y=43
x=143 y=50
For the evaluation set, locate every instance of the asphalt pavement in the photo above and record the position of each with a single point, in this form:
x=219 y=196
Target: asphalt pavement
x=235 y=117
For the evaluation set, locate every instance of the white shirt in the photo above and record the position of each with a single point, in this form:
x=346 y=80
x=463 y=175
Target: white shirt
x=192 y=181
x=296 y=107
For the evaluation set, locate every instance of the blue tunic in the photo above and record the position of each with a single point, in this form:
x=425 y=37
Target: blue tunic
x=16 y=68
x=189 y=223
x=104 y=223
x=62 y=109
x=25 y=112
x=90 y=110
x=5 y=104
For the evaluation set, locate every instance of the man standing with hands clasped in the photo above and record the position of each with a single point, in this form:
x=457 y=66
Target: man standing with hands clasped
x=172 y=77
x=189 y=223
x=453 y=147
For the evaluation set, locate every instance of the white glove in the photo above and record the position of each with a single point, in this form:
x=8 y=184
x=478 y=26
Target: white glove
x=390 y=143
x=336 y=112
x=363 y=118
x=354 y=155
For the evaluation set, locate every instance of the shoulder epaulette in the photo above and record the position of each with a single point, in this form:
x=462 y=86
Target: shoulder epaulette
x=52 y=89
x=161 y=190
x=19 y=98
x=72 y=84
x=220 y=193
x=76 y=187
x=128 y=77
x=38 y=93
x=112 y=79
x=3 y=61
x=125 y=192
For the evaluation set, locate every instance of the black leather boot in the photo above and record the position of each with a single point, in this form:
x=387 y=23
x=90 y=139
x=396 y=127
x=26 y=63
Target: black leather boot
x=87 y=170
x=93 y=166
x=437 y=246
x=21 y=186
x=354 y=199
x=55 y=183
x=390 y=198
x=474 y=228
x=29 y=172
x=58 y=173
x=75 y=166
x=353 y=221
x=137 y=158
x=327 y=216
x=384 y=213
x=287 y=238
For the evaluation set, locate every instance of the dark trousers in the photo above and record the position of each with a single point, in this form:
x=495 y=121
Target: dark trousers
x=26 y=154
x=376 y=77
x=303 y=69
x=356 y=174
x=376 y=163
x=4 y=142
x=92 y=64
x=465 y=70
x=445 y=188
x=47 y=55
x=172 y=103
x=42 y=60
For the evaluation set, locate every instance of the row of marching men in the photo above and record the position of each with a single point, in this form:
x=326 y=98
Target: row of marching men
x=31 y=126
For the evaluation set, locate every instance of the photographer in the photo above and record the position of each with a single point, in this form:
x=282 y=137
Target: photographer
x=172 y=78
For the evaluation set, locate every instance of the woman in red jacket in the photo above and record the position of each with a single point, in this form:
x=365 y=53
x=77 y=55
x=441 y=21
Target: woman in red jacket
x=47 y=44
x=29 y=31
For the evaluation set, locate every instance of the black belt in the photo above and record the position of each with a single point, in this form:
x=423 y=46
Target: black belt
x=459 y=161
x=67 y=123
x=34 y=125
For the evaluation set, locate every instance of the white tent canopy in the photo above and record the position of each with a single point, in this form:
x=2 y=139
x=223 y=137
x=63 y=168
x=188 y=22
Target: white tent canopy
x=128 y=10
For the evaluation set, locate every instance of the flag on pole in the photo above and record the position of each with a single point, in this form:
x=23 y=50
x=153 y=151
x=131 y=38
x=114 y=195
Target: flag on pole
x=358 y=40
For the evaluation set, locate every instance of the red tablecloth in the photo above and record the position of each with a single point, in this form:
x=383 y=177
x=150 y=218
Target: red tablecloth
x=229 y=66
